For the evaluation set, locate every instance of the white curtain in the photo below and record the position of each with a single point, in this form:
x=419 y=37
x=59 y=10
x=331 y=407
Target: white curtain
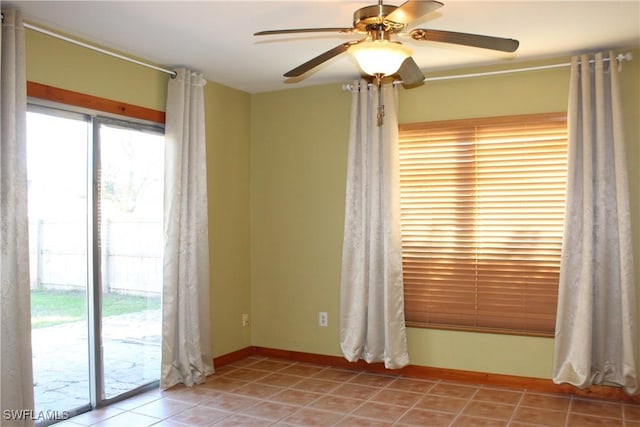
x=186 y=341
x=16 y=376
x=372 y=323
x=595 y=340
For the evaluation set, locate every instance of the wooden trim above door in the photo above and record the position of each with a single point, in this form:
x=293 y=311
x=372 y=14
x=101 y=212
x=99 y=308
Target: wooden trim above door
x=64 y=96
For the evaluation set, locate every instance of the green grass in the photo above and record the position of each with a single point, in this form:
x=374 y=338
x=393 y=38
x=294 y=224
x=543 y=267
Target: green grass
x=49 y=307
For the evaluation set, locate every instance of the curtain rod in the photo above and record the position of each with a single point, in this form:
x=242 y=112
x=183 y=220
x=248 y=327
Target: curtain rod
x=346 y=87
x=621 y=57
x=98 y=49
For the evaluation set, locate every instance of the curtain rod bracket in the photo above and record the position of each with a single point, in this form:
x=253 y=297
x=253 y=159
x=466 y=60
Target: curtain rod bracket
x=621 y=57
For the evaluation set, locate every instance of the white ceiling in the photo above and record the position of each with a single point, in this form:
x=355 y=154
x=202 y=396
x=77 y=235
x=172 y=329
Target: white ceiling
x=216 y=37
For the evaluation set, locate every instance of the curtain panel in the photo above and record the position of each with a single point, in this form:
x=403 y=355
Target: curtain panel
x=596 y=338
x=16 y=376
x=186 y=341
x=372 y=323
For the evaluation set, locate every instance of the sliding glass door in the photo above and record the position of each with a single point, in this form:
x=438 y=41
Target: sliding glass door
x=95 y=212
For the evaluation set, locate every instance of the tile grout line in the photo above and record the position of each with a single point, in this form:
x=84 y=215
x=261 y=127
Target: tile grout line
x=232 y=391
x=413 y=405
x=517 y=406
x=359 y=405
x=363 y=401
x=569 y=409
x=409 y=409
x=308 y=404
x=464 y=407
x=268 y=398
x=242 y=411
x=380 y=389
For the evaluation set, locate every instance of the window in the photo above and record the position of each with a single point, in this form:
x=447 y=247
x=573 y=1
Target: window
x=482 y=216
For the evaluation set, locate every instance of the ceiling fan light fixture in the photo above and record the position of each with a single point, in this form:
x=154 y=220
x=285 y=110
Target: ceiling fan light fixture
x=379 y=57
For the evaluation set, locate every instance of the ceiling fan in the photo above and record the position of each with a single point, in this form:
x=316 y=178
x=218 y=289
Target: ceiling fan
x=377 y=54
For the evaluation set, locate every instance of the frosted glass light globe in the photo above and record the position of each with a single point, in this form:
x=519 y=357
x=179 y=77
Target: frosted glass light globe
x=379 y=57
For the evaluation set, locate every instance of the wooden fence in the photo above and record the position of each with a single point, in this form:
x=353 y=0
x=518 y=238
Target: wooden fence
x=131 y=257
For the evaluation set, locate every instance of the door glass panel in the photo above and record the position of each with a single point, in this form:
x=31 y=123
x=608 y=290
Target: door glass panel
x=131 y=243
x=57 y=177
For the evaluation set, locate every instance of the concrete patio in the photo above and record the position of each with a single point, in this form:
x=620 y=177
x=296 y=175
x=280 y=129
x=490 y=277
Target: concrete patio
x=131 y=348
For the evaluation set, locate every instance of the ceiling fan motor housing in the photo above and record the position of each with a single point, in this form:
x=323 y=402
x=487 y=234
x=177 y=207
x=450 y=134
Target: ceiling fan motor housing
x=370 y=17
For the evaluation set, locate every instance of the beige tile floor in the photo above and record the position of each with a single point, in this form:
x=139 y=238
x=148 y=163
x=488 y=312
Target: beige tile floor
x=261 y=391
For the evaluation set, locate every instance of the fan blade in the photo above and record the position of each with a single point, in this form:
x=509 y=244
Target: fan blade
x=298 y=71
x=410 y=73
x=304 y=30
x=411 y=10
x=475 y=40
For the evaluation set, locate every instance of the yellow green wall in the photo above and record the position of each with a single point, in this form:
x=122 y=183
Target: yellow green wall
x=228 y=134
x=276 y=194
x=298 y=160
x=63 y=65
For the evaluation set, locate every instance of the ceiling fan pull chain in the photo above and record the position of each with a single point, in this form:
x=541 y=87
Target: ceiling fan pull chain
x=380 y=116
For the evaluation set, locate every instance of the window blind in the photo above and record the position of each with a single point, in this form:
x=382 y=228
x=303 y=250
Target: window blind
x=482 y=206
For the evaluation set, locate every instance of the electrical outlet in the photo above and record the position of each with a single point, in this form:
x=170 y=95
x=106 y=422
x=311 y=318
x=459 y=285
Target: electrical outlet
x=245 y=319
x=323 y=319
